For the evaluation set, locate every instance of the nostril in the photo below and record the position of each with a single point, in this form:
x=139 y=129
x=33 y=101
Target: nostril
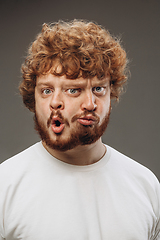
x=59 y=106
x=56 y=107
x=56 y=103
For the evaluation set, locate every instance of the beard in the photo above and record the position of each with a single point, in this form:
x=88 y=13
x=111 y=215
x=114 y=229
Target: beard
x=79 y=135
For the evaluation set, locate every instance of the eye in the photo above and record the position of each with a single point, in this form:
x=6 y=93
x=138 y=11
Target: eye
x=99 y=90
x=73 y=91
x=46 y=91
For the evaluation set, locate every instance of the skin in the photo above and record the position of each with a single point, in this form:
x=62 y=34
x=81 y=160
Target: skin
x=72 y=97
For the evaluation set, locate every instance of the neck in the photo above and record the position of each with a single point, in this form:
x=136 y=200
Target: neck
x=81 y=155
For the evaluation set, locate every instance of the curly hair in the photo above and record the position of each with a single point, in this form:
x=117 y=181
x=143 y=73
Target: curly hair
x=81 y=49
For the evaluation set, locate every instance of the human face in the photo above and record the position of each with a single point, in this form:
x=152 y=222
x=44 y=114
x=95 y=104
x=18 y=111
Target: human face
x=71 y=112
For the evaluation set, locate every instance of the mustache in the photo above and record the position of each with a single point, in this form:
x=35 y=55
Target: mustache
x=59 y=115
x=84 y=114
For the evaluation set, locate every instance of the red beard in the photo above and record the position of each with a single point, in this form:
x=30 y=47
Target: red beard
x=80 y=135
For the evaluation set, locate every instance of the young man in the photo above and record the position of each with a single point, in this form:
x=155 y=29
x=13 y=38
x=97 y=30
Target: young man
x=71 y=185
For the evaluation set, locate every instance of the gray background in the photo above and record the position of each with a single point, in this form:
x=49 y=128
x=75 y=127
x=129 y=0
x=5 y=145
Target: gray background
x=134 y=127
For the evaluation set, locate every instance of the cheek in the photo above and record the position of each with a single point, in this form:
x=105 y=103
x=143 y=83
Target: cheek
x=41 y=105
x=42 y=110
x=103 y=107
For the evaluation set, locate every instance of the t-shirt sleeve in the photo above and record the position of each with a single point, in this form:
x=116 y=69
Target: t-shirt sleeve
x=157 y=231
x=1 y=217
x=156 y=235
x=1 y=238
x=2 y=202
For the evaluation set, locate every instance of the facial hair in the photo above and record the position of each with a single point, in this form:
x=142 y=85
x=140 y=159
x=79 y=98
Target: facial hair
x=79 y=135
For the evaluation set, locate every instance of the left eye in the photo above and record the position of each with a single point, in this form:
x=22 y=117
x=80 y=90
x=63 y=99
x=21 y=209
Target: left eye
x=46 y=91
x=99 y=90
x=72 y=91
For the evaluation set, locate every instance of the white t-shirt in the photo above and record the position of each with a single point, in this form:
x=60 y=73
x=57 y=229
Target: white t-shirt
x=42 y=198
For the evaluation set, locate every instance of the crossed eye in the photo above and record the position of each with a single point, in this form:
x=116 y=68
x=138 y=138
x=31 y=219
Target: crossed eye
x=98 y=89
x=47 y=91
x=73 y=90
x=76 y=91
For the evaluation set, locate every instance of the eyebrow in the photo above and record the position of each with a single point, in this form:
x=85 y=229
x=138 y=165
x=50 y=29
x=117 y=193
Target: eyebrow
x=74 y=83
x=83 y=84
x=44 y=84
x=102 y=82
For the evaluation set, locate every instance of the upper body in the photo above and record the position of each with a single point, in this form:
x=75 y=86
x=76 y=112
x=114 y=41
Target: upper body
x=45 y=198
x=71 y=181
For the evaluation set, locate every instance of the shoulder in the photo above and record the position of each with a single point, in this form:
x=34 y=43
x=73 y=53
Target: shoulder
x=137 y=180
x=127 y=164
x=135 y=175
x=19 y=163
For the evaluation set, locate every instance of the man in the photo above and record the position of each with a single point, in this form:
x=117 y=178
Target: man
x=71 y=185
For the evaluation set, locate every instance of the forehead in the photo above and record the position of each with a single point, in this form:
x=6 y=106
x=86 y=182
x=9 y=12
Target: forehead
x=52 y=79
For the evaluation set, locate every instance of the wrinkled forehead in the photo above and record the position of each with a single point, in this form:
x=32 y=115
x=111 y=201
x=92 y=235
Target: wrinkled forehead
x=93 y=81
x=62 y=81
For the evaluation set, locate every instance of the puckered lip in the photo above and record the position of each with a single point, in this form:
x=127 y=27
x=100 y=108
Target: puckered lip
x=87 y=120
x=57 y=125
x=55 y=119
x=88 y=117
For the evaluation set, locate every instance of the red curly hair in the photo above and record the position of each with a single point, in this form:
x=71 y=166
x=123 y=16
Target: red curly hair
x=81 y=49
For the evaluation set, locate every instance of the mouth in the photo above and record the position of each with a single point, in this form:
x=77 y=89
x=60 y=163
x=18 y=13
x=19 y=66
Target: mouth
x=57 y=125
x=87 y=120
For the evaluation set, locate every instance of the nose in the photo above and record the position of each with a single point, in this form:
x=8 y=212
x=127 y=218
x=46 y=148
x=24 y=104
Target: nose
x=56 y=101
x=89 y=101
